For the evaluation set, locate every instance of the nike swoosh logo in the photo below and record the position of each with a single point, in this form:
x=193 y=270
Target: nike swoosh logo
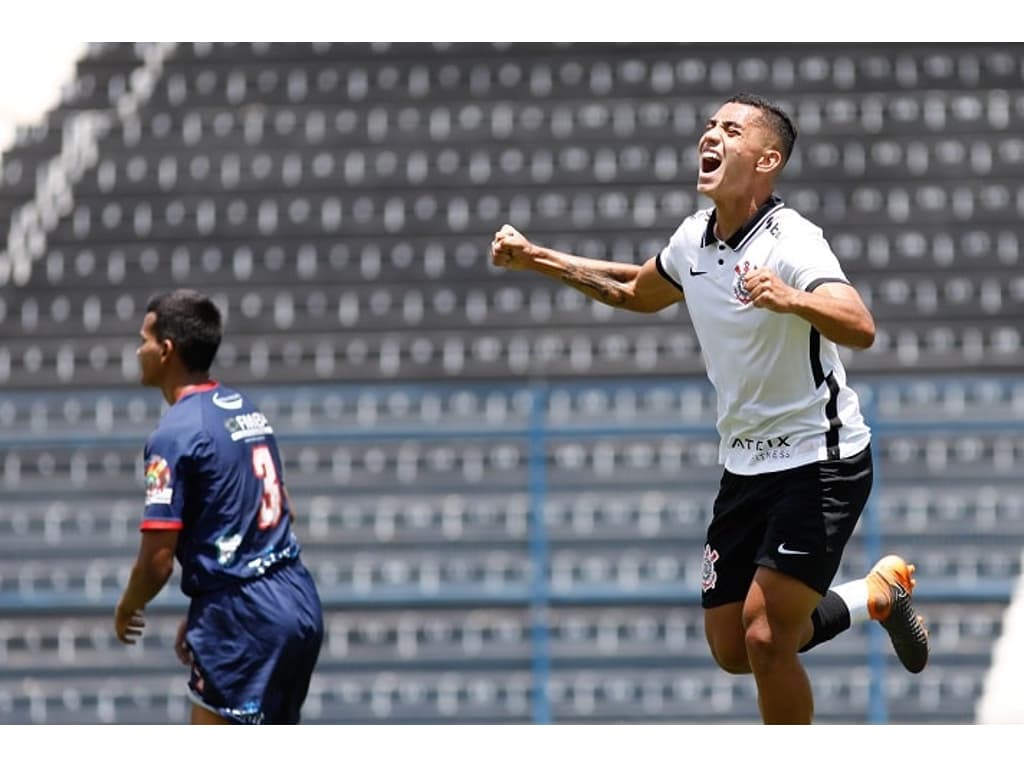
x=694 y=272
x=784 y=551
x=230 y=402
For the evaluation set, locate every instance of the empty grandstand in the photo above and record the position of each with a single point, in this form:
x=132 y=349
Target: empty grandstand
x=502 y=488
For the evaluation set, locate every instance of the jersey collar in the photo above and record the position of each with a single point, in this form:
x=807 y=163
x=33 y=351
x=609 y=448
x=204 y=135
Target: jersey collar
x=769 y=206
x=193 y=389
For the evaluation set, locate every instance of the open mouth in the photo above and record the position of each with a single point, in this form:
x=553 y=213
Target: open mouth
x=709 y=163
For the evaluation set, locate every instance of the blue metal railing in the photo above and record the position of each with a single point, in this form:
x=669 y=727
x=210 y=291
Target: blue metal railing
x=538 y=560
x=536 y=427
x=878 y=706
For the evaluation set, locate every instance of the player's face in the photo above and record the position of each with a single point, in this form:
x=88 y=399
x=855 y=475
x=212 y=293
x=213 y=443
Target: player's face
x=728 y=151
x=150 y=353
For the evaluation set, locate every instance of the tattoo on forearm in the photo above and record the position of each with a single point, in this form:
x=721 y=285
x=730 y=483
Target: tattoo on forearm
x=605 y=289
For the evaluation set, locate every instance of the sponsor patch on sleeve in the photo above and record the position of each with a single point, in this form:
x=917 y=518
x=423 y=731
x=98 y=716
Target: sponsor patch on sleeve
x=158 y=481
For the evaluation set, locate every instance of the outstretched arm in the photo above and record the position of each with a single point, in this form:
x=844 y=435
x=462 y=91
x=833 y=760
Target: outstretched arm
x=639 y=288
x=153 y=567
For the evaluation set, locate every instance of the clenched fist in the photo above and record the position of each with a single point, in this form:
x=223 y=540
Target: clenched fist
x=510 y=249
x=768 y=291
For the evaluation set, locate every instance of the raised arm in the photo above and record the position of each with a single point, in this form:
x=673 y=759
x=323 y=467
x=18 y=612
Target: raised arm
x=639 y=288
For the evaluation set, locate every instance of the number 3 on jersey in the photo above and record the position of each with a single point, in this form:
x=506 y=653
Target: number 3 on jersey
x=263 y=467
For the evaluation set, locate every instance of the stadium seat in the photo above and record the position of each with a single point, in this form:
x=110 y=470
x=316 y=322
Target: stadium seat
x=444 y=422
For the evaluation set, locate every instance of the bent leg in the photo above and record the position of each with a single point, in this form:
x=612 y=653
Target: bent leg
x=723 y=628
x=777 y=623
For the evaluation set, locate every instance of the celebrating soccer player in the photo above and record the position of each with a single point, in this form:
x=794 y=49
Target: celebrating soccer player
x=770 y=304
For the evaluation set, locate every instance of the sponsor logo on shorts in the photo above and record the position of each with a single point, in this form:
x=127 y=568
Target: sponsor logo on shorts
x=784 y=550
x=708 y=576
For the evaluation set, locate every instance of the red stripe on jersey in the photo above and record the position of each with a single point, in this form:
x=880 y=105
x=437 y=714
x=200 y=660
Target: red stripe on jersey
x=161 y=525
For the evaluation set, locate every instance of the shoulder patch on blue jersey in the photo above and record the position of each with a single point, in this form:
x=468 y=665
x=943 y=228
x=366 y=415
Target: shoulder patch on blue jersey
x=158 y=481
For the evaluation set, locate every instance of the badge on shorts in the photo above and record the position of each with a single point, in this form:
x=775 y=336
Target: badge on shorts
x=708 y=577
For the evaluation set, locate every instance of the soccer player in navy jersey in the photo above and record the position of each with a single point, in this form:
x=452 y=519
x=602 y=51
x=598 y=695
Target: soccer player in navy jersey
x=769 y=303
x=216 y=502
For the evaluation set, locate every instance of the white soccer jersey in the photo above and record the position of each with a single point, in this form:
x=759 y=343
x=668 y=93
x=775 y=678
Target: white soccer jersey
x=783 y=400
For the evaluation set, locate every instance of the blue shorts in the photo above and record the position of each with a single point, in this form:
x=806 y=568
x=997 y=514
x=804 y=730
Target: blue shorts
x=254 y=646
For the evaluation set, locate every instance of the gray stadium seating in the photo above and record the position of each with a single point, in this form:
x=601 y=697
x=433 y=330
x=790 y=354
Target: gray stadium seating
x=502 y=488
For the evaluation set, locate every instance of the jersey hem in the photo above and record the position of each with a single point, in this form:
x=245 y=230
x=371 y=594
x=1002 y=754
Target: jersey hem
x=847 y=449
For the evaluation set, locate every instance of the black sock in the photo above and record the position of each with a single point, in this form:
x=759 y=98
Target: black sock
x=829 y=619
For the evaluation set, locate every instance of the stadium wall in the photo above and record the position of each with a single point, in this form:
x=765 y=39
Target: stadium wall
x=32 y=72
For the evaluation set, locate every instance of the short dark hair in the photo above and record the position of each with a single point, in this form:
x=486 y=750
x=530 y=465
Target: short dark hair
x=192 y=321
x=778 y=121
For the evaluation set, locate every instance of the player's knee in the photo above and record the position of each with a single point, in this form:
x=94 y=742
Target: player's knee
x=730 y=655
x=765 y=644
x=735 y=664
x=758 y=640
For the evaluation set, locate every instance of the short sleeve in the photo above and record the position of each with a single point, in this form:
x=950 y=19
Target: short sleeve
x=806 y=261
x=667 y=260
x=167 y=461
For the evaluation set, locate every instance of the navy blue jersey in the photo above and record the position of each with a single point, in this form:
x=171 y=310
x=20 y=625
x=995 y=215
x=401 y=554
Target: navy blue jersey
x=214 y=473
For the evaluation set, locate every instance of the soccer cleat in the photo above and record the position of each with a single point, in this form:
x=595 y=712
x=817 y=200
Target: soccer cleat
x=890 y=583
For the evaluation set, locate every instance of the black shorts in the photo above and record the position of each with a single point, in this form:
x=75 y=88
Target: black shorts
x=796 y=521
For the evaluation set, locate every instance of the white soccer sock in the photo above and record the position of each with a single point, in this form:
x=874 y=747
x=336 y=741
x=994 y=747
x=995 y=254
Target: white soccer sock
x=855 y=595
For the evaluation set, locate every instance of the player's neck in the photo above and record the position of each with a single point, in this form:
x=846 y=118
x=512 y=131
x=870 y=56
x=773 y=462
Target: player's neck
x=174 y=391
x=732 y=214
